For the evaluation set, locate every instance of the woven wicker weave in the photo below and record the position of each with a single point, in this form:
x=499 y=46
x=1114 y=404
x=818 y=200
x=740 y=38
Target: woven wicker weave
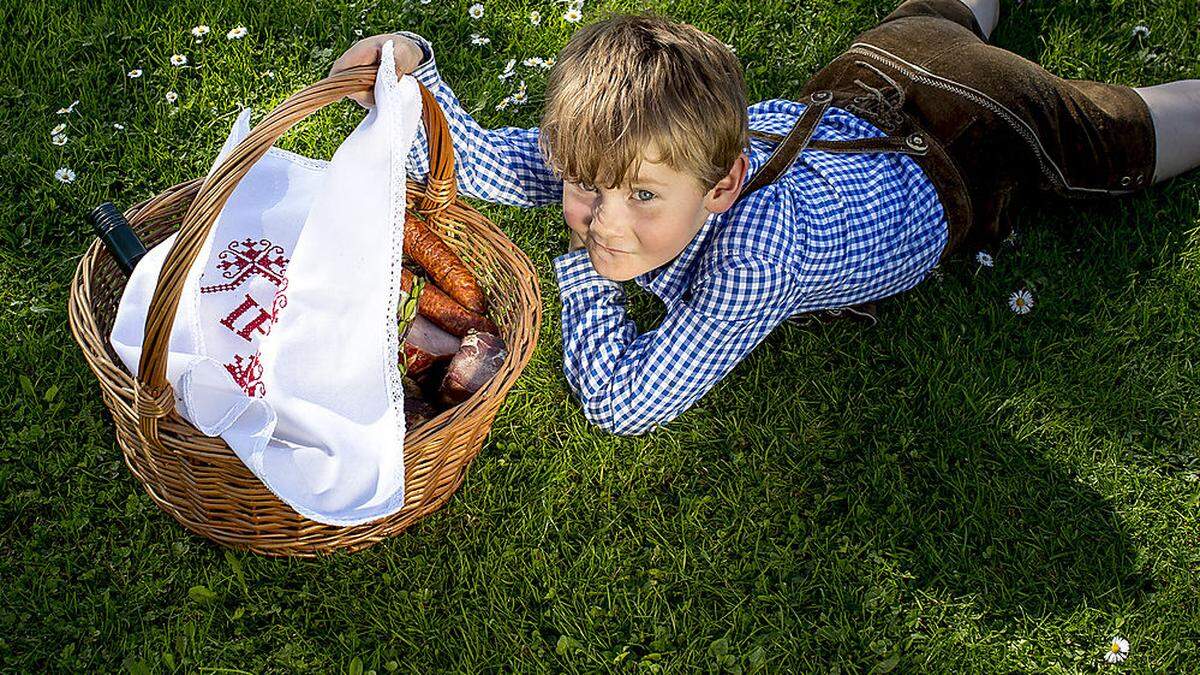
x=199 y=480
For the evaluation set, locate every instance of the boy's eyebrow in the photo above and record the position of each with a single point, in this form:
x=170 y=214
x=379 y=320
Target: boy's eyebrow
x=648 y=181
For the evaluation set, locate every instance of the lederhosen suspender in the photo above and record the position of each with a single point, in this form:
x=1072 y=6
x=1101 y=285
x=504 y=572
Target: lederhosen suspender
x=799 y=138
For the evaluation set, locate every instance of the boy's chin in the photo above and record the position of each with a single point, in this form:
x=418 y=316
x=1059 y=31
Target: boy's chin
x=616 y=270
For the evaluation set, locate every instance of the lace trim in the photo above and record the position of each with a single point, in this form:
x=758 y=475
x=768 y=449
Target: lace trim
x=396 y=195
x=306 y=162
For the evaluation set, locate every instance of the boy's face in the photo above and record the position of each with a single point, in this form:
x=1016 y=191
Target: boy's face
x=646 y=223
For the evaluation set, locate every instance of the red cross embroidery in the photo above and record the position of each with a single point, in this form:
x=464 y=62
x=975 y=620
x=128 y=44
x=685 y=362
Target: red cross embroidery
x=242 y=260
x=248 y=375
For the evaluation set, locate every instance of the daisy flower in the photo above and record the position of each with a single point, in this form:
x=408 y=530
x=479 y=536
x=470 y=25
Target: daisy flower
x=1118 y=650
x=358 y=32
x=1020 y=301
x=65 y=175
x=200 y=31
x=58 y=129
x=535 y=17
x=508 y=69
x=118 y=126
x=519 y=96
x=425 y=2
x=476 y=11
x=59 y=139
x=573 y=15
x=504 y=102
x=178 y=60
x=730 y=47
x=135 y=73
x=1141 y=31
x=171 y=97
x=236 y=33
x=69 y=109
x=984 y=259
x=532 y=61
x=477 y=39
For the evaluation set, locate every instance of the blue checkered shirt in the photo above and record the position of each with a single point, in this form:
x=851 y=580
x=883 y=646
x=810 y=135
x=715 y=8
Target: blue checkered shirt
x=834 y=230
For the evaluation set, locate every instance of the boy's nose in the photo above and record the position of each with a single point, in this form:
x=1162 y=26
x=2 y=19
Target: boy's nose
x=604 y=230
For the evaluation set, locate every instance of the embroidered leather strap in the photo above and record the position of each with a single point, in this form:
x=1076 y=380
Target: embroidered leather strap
x=907 y=146
x=795 y=141
x=800 y=137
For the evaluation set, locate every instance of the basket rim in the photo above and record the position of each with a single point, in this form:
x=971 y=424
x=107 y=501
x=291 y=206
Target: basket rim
x=89 y=329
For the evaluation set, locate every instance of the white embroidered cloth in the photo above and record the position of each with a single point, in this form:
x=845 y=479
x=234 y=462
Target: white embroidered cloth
x=285 y=342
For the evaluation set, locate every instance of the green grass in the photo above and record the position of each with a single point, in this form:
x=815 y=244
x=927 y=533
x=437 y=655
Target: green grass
x=958 y=489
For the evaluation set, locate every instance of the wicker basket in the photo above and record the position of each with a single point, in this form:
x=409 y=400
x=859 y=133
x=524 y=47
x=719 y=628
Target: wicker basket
x=198 y=479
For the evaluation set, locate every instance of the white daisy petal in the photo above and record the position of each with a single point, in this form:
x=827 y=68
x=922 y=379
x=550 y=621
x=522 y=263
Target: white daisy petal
x=58 y=129
x=200 y=31
x=171 y=97
x=65 y=175
x=535 y=17
x=1118 y=650
x=984 y=259
x=476 y=11
x=135 y=73
x=236 y=33
x=1021 y=301
x=573 y=15
x=178 y=60
x=59 y=139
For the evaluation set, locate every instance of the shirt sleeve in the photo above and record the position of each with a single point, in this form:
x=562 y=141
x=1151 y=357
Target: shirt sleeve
x=630 y=383
x=502 y=165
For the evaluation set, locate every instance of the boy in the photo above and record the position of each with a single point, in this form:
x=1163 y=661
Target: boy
x=915 y=141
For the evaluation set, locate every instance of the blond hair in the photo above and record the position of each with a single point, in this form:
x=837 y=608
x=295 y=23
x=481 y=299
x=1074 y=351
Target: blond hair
x=631 y=82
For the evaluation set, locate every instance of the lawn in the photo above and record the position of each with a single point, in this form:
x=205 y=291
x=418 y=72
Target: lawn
x=960 y=488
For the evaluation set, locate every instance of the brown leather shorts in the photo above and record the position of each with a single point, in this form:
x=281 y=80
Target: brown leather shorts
x=999 y=127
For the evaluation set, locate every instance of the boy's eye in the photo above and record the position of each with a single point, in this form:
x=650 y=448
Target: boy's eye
x=644 y=195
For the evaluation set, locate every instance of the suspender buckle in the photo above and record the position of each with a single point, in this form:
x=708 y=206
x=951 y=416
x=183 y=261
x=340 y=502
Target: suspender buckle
x=916 y=142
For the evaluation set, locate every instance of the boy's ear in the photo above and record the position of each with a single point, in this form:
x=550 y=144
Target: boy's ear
x=722 y=196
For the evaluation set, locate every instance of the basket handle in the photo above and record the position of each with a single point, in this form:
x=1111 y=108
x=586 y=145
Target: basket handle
x=153 y=398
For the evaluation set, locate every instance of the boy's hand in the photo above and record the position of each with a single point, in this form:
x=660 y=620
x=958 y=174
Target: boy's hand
x=366 y=52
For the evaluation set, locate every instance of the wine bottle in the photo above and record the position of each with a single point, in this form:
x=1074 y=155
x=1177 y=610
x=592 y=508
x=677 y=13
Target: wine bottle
x=118 y=237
